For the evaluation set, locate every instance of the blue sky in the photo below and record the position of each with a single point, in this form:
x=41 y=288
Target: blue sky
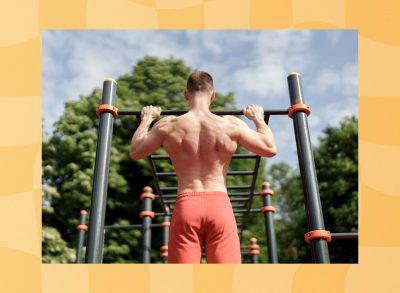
x=252 y=63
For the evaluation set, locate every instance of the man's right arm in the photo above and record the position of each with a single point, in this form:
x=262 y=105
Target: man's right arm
x=261 y=141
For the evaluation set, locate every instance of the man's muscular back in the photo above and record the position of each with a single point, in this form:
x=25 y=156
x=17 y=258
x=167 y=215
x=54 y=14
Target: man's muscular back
x=200 y=147
x=201 y=144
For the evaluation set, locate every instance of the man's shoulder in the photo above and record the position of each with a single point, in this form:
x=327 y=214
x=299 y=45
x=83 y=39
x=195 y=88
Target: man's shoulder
x=164 y=122
x=234 y=120
x=165 y=119
x=168 y=118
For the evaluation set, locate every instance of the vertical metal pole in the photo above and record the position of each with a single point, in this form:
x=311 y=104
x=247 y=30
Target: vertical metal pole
x=165 y=224
x=254 y=250
x=94 y=253
x=147 y=215
x=82 y=227
x=319 y=247
x=268 y=211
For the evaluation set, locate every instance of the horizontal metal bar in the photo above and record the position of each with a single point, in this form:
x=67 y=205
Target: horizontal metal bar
x=237 y=205
x=228 y=173
x=239 y=199
x=161 y=214
x=165 y=173
x=168 y=195
x=169 y=201
x=124 y=112
x=159 y=157
x=244 y=156
x=238 y=187
x=244 y=210
x=344 y=236
x=233 y=194
x=169 y=188
x=128 y=226
x=240 y=173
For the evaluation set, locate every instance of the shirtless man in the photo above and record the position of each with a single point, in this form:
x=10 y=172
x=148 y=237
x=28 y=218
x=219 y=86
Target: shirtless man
x=200 y=145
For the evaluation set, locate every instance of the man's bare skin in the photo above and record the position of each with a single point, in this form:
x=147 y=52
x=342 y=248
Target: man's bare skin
x=199 y=143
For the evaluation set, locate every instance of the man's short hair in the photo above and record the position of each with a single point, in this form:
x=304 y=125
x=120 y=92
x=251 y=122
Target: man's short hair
x=200 y=81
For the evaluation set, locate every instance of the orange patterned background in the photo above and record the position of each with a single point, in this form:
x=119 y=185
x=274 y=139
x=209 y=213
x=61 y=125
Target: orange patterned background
x=21 y=24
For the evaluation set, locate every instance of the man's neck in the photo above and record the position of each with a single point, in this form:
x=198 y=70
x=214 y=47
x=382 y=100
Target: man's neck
x=199 y=104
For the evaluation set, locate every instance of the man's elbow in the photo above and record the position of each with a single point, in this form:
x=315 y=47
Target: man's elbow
x=269 y=153
x=134 y=155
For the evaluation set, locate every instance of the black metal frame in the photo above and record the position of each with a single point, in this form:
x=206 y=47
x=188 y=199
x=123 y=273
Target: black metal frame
x=306 y=161
x=81 y=235
x=94 y=252
x=319 y=246
x=269 y=224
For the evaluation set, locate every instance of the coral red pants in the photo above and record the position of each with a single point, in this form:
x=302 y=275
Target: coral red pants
x=203 y=219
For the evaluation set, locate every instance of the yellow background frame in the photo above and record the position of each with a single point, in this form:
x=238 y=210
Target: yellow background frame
x=21 y=24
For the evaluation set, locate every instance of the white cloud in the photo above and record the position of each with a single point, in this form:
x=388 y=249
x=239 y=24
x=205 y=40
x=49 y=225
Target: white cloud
x=276 y=53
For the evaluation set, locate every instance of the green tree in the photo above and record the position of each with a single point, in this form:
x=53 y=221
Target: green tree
x=69 y=155
x=336 y=160
x=56 y=248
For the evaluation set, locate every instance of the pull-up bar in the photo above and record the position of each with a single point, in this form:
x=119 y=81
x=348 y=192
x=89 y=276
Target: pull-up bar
x=216 y=112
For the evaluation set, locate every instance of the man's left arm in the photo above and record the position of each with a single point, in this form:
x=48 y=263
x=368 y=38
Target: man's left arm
x=144 y=141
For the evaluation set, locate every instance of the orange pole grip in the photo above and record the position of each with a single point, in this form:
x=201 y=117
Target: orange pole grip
x=147 y=195
x=266 y=191
x=147 y=213
x=165 y=224
x=82 y=227
x=107 y=108
x=299 y=107
x=254 y=246
x=265 y=209
x=318 y=234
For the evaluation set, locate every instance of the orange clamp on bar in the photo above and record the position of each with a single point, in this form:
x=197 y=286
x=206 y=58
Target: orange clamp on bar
x=147 y=213
x=147 y=195
x=254 y=251
x=299 y=107
x=164 y=247
x=265 y=183
x=147 y=189
x=320 y=234
x=253 y=239
x=107 y=108
x=82 y=227
x=164 y=254
x=266 y=191
x=165 y=224
x=265 y=209
x=254 y=246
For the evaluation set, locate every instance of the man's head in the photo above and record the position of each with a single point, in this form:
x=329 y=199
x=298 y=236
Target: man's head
x=199 y=82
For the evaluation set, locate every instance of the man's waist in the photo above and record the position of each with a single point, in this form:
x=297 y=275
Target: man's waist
x=203 y=193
